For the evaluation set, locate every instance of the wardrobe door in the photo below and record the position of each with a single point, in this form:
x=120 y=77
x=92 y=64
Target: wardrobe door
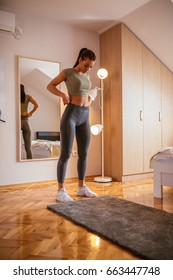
x=110 y=50
x=167 y=107
x=132 y=103
x=152 y=106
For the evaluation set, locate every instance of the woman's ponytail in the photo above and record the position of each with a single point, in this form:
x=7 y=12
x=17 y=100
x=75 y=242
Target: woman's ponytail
x=83 y=54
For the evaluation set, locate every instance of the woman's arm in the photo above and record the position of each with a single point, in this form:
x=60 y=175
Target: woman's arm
x=55 y=82
x=34 y=102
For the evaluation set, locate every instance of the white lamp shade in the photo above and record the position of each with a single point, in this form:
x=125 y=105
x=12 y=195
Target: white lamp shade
x=96 y=129
x=102 y=73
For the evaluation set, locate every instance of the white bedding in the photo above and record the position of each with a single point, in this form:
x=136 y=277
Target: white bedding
x=165 y=155
x=45 y=148
x=162 y=165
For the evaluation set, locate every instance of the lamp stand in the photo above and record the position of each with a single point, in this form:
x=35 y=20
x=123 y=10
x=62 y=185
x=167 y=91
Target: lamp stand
x=102 y=179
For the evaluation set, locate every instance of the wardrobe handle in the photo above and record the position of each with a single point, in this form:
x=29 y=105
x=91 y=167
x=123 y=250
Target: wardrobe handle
x=160 y=116
x=141 y=115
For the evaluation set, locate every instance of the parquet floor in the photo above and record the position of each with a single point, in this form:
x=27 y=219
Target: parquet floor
x=29 y=231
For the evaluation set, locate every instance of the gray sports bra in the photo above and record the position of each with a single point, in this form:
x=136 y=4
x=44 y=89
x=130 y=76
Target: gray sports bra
x=77 y=84
x=24 y=106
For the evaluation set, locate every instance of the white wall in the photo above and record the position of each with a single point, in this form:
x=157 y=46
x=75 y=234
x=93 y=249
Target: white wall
x=52 y=41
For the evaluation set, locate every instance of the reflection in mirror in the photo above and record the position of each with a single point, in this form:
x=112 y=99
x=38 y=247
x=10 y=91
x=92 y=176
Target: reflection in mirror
x=44 y=122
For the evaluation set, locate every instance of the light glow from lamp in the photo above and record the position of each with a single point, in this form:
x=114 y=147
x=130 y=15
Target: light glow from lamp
x=102 y=73
x=96 y=129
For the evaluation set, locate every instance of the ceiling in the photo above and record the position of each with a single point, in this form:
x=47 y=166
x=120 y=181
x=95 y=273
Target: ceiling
x=150 y=20
x=90 y=14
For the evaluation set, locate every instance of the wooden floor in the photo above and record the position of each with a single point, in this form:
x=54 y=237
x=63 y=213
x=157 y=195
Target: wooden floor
x=29 y=231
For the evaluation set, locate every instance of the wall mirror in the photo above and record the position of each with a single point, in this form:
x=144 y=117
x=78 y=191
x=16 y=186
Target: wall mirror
x=35 y=74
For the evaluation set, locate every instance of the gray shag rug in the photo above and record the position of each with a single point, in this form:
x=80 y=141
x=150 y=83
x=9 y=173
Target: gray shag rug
x=146 y=231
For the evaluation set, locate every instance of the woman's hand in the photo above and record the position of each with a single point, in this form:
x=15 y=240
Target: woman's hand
x=29 y=115
x=89 y=100
x=65 y=99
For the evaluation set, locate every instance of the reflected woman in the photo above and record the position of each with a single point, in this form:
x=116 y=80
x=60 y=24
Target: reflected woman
x=25 y=115
x=75 y=120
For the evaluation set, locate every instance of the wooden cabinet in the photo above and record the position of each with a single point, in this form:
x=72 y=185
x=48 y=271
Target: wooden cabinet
x=135 y=106
x=167 y=107
x=151 y=105
x=132 y=103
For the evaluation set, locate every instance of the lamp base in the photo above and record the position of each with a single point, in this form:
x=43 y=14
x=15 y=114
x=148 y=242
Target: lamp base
x=102 y=179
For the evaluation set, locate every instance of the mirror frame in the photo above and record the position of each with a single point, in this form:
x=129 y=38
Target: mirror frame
x=19 y=137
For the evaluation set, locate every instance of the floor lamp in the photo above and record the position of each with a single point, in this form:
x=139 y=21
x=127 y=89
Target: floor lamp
x=98 y=128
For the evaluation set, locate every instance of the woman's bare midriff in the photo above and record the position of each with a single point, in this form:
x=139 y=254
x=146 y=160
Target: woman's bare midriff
x=80 y=100
x=24 y=114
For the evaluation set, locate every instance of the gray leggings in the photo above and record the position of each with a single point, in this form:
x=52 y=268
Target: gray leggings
x=26 y=131
x=75 y=121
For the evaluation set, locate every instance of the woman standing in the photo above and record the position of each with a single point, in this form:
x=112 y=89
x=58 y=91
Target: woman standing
x=25 y=115
x=75 y=120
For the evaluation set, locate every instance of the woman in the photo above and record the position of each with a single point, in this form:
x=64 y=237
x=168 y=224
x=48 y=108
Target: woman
x=25 y=115
x=75 y=120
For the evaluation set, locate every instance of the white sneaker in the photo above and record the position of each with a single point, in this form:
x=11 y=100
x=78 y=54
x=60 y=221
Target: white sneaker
x=63 y=196
x=85 y=191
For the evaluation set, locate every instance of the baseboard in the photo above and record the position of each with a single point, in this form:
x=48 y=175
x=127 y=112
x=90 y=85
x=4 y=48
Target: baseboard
x=135 y=177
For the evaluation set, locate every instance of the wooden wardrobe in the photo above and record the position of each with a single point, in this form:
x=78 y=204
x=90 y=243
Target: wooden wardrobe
x=138 y=105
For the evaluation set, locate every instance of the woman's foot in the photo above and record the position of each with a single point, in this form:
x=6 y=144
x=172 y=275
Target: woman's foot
x=85 y=191
x=63 y=196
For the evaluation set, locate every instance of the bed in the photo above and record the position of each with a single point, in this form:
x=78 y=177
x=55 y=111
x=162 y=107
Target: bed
x=162 y=165
x=46 y=145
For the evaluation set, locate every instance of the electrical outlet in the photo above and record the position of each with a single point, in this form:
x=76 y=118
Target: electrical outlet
x=74 y=153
